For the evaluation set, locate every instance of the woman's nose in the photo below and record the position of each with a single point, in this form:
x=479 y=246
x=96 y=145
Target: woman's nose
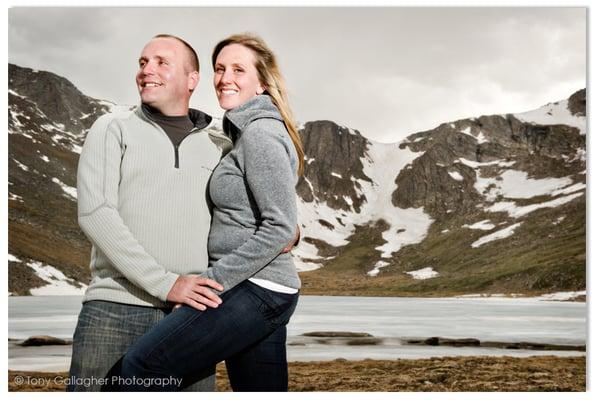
x=227 y=76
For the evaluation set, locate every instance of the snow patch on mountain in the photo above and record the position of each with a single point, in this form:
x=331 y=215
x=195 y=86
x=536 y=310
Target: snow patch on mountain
x=407 y=226
x=480 y=138
x=376 y=268
x=309 y=217
x=15 y=120
x=500 y=234
x=21 y=165
x=456 y=176
x=13 y=258
x=476 y=164
x=554 y=114
x=58 y=283
x=484 y=225
x=63 y=136
x=569 y=189
x=15 y=197
x=307 y=257
x=514 y=184
x=69 y=190
x=519 y=211
x=117 y=108
x=10 y=91
x=423 y=273
x=579 y=154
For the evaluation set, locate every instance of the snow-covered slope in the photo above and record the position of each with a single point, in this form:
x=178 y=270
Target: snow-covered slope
x=554 y=114
x=381 y=164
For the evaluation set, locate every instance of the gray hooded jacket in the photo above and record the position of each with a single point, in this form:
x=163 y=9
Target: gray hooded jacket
x=254 y=199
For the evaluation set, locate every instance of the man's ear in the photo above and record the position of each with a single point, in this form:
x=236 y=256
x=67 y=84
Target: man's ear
x=193 y=80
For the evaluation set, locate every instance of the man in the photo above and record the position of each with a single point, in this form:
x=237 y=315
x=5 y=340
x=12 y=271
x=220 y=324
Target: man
x=142 y=179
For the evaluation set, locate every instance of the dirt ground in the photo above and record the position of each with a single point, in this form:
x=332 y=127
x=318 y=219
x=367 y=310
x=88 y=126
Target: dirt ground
x=493 y=374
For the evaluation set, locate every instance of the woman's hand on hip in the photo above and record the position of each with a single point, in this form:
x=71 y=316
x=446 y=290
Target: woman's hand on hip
x=194 y=291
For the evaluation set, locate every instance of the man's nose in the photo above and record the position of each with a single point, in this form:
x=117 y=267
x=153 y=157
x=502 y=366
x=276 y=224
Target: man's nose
x=148 y=68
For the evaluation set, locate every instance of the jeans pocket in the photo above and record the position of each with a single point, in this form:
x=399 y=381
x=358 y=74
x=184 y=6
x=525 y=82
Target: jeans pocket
x=275 y=307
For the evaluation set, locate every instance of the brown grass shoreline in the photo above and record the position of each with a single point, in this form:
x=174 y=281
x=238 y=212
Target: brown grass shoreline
x=497 y=374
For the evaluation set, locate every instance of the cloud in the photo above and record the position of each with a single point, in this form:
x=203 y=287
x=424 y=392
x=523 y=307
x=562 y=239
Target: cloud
x=388 y=72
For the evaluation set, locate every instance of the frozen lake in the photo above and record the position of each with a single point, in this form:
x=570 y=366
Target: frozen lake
x=392 y=318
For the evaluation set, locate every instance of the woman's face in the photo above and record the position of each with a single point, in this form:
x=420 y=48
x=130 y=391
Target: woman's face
x=235 y=76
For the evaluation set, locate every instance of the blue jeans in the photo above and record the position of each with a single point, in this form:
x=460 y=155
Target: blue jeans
x=104 y=332
x=248 y=330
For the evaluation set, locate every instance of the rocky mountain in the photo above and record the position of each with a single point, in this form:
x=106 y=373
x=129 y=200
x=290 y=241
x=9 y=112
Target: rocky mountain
x=48 y=118
x=494 y=204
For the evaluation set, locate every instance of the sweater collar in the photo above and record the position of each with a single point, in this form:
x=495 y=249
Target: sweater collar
x=257 y=107
x=200 y=119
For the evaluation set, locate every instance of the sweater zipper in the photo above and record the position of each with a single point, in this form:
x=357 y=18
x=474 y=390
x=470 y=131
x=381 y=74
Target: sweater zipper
x=176 y=148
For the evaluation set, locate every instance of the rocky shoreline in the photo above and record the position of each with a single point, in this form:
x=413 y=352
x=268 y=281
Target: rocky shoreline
x=366 y=339
x=459 y=373
x=359 y=339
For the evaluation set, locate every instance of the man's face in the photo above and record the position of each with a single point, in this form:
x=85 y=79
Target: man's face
x=164 y=79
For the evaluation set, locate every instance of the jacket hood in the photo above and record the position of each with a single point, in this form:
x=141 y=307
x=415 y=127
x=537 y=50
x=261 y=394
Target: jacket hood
x=199 y=119
x=258 y=107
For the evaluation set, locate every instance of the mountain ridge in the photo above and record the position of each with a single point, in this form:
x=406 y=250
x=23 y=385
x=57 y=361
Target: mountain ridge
x=371 y=214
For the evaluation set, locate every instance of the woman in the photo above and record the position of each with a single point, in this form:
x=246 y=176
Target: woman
x=254 y=217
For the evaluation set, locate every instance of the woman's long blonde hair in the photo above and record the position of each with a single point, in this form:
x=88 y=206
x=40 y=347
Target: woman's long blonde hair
x=272 y=80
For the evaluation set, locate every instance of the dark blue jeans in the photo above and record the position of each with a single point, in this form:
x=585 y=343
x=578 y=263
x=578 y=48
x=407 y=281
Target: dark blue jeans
x=104 y=332
x=248 y=330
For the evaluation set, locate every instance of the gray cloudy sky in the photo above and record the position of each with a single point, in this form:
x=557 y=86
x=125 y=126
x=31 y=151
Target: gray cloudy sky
x=387 y=72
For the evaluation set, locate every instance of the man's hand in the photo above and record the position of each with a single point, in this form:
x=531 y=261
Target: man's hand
x=293 y=242
x=193 y=290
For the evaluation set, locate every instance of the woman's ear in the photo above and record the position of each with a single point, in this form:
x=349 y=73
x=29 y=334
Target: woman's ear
x=260 y=89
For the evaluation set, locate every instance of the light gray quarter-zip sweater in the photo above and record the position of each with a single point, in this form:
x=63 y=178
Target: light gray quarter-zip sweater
x=253 y=192
x=146 y=216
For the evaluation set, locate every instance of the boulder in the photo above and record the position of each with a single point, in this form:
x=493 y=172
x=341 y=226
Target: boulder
x=365 y=341
x=44 y=340
x=336 y=334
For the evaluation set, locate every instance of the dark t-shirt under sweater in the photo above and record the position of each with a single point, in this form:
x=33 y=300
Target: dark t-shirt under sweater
x=177 y=128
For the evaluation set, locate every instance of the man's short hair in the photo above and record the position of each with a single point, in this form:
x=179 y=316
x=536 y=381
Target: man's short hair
x=193 y=56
